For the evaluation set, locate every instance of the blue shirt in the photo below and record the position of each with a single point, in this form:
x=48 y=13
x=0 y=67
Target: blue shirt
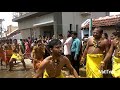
x=75 y=46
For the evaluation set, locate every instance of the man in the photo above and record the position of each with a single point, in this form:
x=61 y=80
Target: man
x=115 y=48
x=85 y=38
x=67 y=45
x=1 y=52
x=94 y=52
x=17 y=55
x=75 y=51
x=29 y=41
x=7 y=51
x=52 y=65
x=38 y=54
x=114 y=34
x=22 y=46
x=62 y=41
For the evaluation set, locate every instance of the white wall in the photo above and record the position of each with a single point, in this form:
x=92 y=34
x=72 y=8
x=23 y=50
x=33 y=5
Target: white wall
x=67 y=19
x=25 y=33
x=70 y=18
x=75 y=18
x=109 y=30
x=36 y=32
x=17 y=36
x=98 y=14
x=28 y=23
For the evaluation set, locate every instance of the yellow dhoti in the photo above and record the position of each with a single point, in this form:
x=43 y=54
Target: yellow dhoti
x=93 y=66
x=17 y=56
x=45 y=75
x=116 y=67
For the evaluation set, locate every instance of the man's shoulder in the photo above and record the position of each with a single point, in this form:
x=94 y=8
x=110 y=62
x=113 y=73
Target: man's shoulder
x=114 y=41
x=78 y=40
x=48 y=58
x=70 y=38
x=106 y=41
x=90 y=38
x=64 y=57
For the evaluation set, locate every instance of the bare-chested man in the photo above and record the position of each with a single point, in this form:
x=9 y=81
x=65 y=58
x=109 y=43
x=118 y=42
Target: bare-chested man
x=1 y=52
x=52 y=65
x=7 y=51
x=95 y=49
x=38 y=54
x=115 y=51
x=16 y=55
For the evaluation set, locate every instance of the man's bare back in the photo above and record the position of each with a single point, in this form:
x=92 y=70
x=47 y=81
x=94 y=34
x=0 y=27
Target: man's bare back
x=54 y=64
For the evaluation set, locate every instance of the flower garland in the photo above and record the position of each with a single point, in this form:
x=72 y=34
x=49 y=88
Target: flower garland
x=96 y=44
x=56 y=62
x=118 y=47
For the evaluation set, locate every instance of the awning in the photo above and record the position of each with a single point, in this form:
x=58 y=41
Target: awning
x=14 y=32
x=43 y=23
x=85 y=23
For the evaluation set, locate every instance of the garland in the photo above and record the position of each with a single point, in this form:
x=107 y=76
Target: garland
x=96 y=44
x=56 y=62
x=118 y=48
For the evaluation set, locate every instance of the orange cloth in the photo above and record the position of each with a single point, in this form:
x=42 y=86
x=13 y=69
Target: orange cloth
x=8 y=54
x=2 y=54
x=37 y=63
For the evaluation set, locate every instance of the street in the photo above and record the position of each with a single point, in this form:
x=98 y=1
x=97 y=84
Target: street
x=18 y=71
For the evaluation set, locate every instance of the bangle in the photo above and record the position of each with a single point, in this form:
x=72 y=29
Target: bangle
x=102 y=62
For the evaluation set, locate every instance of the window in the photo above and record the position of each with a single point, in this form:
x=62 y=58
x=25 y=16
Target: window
x=70 y=27
x=76 y=28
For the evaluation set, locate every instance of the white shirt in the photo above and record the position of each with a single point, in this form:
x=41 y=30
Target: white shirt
x=62 y=41
x=67 y=46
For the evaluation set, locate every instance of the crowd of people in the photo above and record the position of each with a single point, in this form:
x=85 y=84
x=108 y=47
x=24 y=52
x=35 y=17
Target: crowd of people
x=98 y=54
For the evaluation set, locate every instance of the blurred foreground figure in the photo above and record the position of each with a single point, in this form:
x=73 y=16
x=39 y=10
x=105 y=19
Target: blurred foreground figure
x=51 y=66
x=115 y=51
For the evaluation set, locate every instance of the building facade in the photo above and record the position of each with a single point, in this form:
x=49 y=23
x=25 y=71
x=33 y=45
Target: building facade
x=107 y=23
x=34 y=24
x=1 y=28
